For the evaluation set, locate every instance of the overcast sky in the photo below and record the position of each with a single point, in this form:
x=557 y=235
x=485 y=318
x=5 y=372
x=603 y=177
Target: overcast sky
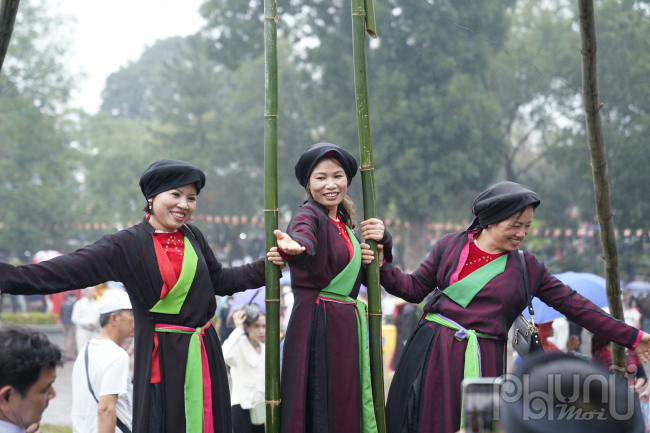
x=109 y=34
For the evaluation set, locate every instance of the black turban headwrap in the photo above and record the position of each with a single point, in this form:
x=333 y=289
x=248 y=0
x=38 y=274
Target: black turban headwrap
x=582 y=397
x=168 y=174
x=500 y=201
x=315 y=153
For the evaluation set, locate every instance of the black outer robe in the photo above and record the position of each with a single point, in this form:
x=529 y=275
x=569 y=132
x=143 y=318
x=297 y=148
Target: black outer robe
x=128 y=256
x=320 y=386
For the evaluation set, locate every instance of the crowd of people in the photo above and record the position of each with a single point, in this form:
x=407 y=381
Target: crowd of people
x=474 y=281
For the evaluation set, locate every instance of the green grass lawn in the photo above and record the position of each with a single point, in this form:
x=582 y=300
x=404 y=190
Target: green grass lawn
x=48 y=428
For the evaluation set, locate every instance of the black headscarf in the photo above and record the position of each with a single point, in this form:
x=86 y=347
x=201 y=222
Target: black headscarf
x=500 y=201
x=314 y=153
x=168 y=174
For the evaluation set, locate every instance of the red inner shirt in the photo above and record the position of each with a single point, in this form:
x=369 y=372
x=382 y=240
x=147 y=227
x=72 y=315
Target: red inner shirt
x=174 y=246
x=344 y=233
x=476 y=259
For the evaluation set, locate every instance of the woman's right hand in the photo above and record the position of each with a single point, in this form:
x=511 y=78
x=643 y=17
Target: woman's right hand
x=288 y=245
x=238 y=318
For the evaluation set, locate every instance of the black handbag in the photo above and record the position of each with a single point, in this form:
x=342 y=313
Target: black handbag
x=526 y=339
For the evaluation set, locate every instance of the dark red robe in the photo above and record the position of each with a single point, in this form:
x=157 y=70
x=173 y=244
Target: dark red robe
x=128 y=256
x=425 y=395
x=320 y=386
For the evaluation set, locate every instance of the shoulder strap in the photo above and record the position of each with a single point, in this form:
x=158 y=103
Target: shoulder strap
x=119 y=424
x=526 y=286
x=90 y=388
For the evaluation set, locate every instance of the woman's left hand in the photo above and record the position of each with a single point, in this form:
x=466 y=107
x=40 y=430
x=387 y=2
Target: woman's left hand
x=367 y=255
x=275 y=257
x=372 y=228
x=643 y=349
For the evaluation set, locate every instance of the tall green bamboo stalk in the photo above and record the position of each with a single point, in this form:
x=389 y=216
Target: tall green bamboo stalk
x=588 y=50
x=271 y=216
x=360 y=24
x=8 y=11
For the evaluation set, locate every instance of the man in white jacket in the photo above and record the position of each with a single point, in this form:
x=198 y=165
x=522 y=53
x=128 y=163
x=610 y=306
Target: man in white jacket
x=85 y=316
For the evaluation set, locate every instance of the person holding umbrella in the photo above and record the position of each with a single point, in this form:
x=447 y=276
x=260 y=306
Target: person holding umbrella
x=477 y=277
x=325 y=384
x=171 y=276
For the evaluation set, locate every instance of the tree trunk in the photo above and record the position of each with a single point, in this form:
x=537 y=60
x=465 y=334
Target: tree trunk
x=362 y=21
x=592 y=107
x=272 y=353
x=8 y=10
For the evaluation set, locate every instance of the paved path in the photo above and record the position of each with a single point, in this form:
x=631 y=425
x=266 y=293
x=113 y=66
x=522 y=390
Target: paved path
x=59 y=409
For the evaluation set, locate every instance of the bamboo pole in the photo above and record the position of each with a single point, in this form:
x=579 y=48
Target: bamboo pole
x=592 y=106
x=8 y=11
x=272 y=376
x=369 y=206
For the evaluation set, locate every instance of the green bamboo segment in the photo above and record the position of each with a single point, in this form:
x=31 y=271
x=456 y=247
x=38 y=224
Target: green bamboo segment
x=369 y=207
x=371 y=25
x=272 y=355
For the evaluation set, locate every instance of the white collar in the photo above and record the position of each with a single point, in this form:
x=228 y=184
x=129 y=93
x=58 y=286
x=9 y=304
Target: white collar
x=7 y=427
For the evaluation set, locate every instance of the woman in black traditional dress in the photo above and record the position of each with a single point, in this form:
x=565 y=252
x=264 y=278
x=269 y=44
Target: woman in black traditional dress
x=325 y=384
x=477 y=277
x=172 y=277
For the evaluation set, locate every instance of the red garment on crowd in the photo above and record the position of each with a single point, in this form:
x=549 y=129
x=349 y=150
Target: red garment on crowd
x=545 y=330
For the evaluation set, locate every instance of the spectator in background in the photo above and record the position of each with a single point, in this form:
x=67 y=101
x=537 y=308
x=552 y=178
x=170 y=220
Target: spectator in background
x=85 y=316
x=243 y=351
x=644 y=306
x=545 y=331
x=102 y=391
x=405 y=318
x=69 y=339
x=631 y=314
x=601 y=353
x=27 y=371
x=388 y=302
x=631 y=272
x=224 y=330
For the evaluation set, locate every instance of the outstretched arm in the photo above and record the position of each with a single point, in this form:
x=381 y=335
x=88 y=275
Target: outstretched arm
x=105 y=260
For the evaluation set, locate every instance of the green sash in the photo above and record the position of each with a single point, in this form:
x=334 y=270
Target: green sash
x=172 y=303
x=463 y=291
x=472 y=352
x=339 y=289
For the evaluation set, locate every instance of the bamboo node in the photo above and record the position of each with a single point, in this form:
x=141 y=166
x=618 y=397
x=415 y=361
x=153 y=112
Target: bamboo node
x=367 y=169
x=271 y=115
x=273 y=402
x=271 y=210
x=272 y=300
x=374 y=314
x=358 y=15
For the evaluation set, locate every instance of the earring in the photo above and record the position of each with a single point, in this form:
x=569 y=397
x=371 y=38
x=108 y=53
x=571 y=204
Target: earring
x=149 y=205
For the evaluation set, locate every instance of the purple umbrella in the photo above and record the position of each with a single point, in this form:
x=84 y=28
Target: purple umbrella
x=253 y=296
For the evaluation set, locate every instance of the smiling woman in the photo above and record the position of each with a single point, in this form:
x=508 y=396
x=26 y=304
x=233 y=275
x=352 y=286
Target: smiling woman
x=325 y=384
x=477 y=280
x=172 y=277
